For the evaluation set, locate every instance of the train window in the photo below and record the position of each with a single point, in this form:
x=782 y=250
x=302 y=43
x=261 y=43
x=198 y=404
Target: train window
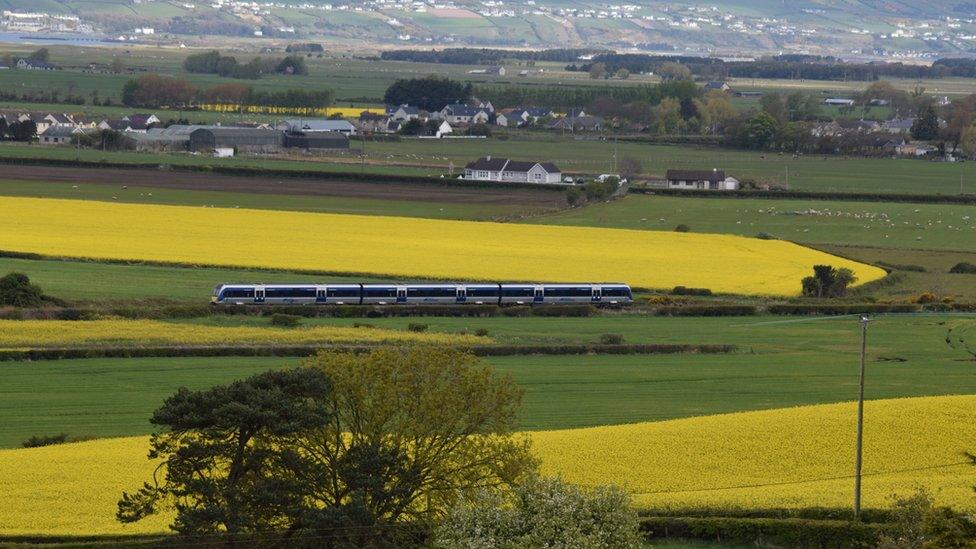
x=518 y=291
x=289 y=292
x=342 y=292
x=238 y=292
x=482 y=291
x=379 y=291
x=439 y=291
x=572 y=291
x=616 y=291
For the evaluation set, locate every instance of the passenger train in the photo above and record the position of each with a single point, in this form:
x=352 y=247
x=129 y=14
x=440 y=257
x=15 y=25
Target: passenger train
x=421 y=294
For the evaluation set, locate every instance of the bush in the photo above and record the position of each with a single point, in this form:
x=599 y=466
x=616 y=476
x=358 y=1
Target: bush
x=543 y=513
x=37 y=441
x=683 y=290
x=16 y=290
x=783 y=532
x=481 y=332
x=285 y=321
x=362 y=325
x=926 y=298
x=417 y=327
x=708 y=310
x=573 y=196
x=902 y=267
x=963 y=268
x=765 y=236
x=828 y=281
x=682 y=228
x=611 y=339
x=600 y=190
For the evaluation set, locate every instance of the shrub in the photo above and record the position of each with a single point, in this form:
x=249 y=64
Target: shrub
x=37 y=441
x=828 y=281
x=362 y=325
x=926 y=298
x=599 y=190
x=963 y=268
x=417 y=327
x=682 y=228
x=573 y=196
x=902 y=267
x=16 y=290
x=481 y=332
x=543 y=513
x=611 y=339
x=765 y=236
x=683 y=290
x=285 y=321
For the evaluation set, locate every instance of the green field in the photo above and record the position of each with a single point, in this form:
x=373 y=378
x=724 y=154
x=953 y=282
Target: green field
x=782 y=362
x=883 y=224
x=289 y=202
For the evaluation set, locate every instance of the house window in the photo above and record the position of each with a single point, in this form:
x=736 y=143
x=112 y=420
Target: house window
x=483 y=174
x=538 y=176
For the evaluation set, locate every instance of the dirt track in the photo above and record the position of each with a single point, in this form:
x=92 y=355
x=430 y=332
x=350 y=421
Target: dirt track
x=324 y=186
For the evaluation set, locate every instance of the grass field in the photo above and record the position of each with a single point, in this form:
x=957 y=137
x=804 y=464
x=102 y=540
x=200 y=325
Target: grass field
x=781 y=362
x=883 y=224
x=73 y=489
x=391 y=246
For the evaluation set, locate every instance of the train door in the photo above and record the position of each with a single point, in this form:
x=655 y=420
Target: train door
x=401 y=294
x=259 y=295
x=462 y=294
x=538 y=295
x=597 y=294
x=320 y=295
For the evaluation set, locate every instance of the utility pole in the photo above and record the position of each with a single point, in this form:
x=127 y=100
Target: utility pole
x=860 y=420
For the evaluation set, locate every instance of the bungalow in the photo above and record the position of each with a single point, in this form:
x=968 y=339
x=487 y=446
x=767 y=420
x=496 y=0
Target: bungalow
x=372 y=122
x=403 y=113
x=505 y=170
x=58 y=135
x=120 y=125
x=898 y=125
x=712 y=180
x=719 y=86
x=464 y=114
x=578 y=123
x=34 y=65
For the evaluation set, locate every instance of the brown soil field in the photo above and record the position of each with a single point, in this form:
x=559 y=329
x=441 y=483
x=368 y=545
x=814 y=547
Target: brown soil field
x=324 y=186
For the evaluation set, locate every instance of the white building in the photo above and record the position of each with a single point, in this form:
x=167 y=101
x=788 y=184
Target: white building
x=516 y=171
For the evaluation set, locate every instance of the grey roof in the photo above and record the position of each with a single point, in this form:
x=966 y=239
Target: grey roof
x=223 y=131
x=504 y=164
x=695 y=175
x=318 y=125
x=464 y=110
x=59 y=131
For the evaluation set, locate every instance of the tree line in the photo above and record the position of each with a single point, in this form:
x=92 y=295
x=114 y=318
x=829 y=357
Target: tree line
x=154 y=90
x=212 y=62
x=486 y=56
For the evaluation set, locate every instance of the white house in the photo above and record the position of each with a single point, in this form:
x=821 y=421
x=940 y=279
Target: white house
x=464 y=114
x=58 y=135
x=444 y=129
x=404 y=113
x=709 y=180
x=516 y=171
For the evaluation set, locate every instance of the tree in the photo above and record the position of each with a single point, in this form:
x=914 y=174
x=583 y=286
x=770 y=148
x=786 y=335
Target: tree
x=598 y=71
x=623 y=74
x=543 y=513
x=716 y=111
x=232 y=93
x=223 y=451
x=16 y=290
x=674 y=71
x=774 y=105
x=23 y=131
x=205 y=62
x=917 y=523
x=41 y=54
x=968 y=141
x=668 y=113
x=926 y=126
x=117 y=66
x=828 y=281
x=293 y=64
x=760 y=130
x=153 y=90
x=630 y=167
x=430 y=93
x=884 y=91
x=436 y=425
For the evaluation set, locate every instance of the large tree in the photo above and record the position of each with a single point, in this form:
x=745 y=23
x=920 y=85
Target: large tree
x=223 y=450
x=926 y=126
x=430 y=93
x=414 y=430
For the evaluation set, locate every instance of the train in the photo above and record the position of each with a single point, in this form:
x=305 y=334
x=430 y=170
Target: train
x=422 y=294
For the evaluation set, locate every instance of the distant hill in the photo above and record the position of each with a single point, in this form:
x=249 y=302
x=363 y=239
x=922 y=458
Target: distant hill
x=869 y=28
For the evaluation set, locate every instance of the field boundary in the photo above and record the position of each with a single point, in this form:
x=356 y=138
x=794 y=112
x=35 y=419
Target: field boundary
x=307 y=350
x=964 y=199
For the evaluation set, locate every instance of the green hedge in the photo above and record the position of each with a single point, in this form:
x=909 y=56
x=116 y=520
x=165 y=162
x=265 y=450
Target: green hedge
x=707 y=310
x=789 y=532
x=817 y=195
x=306 y=350
x=843 y=308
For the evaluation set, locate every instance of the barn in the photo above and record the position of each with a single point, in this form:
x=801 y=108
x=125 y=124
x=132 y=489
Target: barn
x=241 y=139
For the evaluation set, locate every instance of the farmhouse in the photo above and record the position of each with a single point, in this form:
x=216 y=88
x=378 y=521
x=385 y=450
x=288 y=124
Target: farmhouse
x=34 y=65
x=711 y=180
x=505 y=170
x=242 y=139
x=403 y=113
x=464 y=114
x=578 y=123
x=58 y=135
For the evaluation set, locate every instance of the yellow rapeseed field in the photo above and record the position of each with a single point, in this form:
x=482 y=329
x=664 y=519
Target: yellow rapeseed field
x=347 y=112
x=35 y=334
x=409 y=247
x=72 y=489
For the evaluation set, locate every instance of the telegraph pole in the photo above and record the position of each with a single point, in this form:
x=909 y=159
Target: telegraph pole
x=860 y=420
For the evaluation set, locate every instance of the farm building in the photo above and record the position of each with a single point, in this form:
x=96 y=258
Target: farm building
x=241 y=139
x=173 y=138
x=710 y=180
x=717 y=85
x=317 y=140
x=505 y=170
x=309 y=126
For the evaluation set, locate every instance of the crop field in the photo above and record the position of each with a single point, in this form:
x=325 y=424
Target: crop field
x=39 y=334
x=391 y=246
x=72 y=489
x=880 y=224
x=780 y=362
